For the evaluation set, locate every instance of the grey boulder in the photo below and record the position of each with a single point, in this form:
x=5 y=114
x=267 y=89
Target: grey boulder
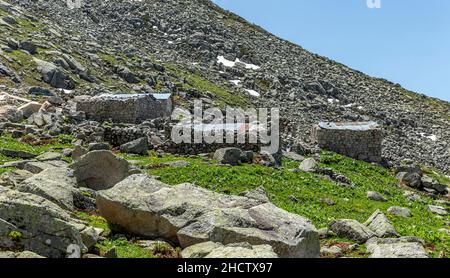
x=40 y=226
x=139 y=146
x=54 y=76
x=9 y=113
x=380 y=224
x=309 y=165
x=399 y=211
x=375 y=196
x=100 y=170
x=404 y=247
x=54 y=184
x=187 y=215
x=231 y=156
x=217 y=250
x=437 y=210
x=351 y=229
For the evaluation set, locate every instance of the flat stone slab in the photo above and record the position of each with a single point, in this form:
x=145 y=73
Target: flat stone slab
x=404 y=247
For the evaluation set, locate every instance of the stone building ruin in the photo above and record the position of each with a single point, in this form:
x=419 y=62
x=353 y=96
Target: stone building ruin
x=125 y=108
x=359 y=140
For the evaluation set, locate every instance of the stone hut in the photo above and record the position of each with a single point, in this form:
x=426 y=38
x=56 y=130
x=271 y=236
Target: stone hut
x=359 y=140
x=123 y=108
x=166 y=101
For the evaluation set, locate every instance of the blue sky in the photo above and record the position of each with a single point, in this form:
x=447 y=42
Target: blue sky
x=405 y=41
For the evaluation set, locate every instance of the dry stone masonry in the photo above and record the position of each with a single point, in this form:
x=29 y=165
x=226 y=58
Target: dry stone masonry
x=124 y=108
x=359 y=140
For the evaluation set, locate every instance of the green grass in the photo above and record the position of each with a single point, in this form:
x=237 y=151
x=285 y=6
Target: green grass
x=39 y=147
x=125 y=248
x=310 y=189
x=94 y=221
x=5 y=170
x=434 y=174
x=61 y=142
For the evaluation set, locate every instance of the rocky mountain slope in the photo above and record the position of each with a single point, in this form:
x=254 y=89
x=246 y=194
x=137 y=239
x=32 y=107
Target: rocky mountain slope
x=191 y=47
x=73 y=185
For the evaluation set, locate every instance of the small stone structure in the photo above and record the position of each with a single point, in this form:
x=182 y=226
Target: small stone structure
x=124 y=108
x=166 y=101
x=359 y=140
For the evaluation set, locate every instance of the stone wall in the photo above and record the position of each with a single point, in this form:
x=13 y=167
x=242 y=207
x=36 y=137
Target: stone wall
x=120 y=108
x=118 y=136
x=362 y=141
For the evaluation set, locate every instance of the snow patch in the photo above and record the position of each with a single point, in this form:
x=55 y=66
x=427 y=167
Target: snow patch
x=333 y=100
x=253 y=93
x=222 y=60
x=431 y=137
x=236 y=82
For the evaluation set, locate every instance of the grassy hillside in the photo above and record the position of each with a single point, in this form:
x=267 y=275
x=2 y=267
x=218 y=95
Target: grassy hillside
x=297 y=192
x=307 y=194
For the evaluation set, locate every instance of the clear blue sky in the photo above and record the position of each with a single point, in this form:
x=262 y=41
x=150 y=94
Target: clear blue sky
x=405 y=41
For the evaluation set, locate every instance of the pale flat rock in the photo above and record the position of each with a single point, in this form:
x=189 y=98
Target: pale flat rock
x=36 y=167
x=404 y=247
x=233 y=251
x=399 y=211
x=437 y=210
x=309 y=165
x=49 y=156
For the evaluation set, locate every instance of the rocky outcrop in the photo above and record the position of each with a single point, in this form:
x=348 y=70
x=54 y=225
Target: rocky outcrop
x=54 y=184
x=54 y=76
x=188 y=215
x=33 y=223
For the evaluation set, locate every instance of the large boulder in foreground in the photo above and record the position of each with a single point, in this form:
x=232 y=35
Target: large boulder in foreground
x=100 y=170
x=187 y=215
x=30 y=222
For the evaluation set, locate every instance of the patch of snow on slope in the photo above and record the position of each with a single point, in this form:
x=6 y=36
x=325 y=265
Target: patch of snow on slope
x=253 y=93
x=432 y=137
x=222 y=60
x=235 y=82
x=333 y=100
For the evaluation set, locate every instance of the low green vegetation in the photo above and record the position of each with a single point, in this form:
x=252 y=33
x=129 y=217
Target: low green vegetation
x=36 y=145
x=15 y=235
x=124 y=248
x=443 y=179
x=305 y=193
x=95 y=221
